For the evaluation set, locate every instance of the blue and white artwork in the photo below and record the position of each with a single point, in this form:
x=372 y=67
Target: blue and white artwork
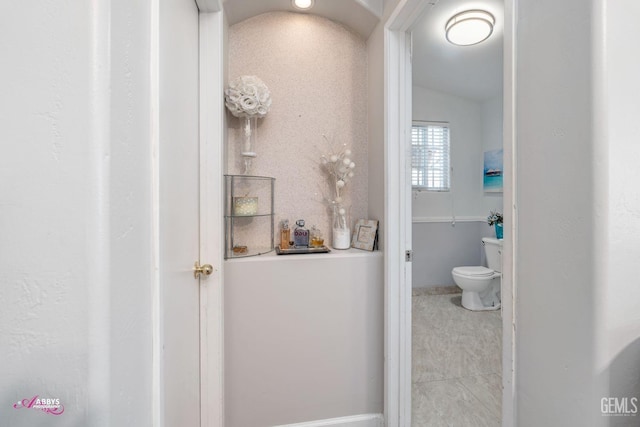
x=493 y=171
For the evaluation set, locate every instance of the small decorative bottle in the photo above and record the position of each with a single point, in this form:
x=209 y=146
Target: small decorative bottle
x=300 y=235
x=285 y=235
x=316 y=239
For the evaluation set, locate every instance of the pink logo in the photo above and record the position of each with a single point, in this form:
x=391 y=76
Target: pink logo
x=47 y=405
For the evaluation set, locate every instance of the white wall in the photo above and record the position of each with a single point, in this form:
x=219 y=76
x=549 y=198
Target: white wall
x=476 y=127
x=491 y=120
x=375 y=131
x=376 y=119
x=307 y=344
x=575 y=323
x=620 y=221
x=178 y=155
x=439 y=244
x=466 y=136
x=75 y=257
x=438 y=247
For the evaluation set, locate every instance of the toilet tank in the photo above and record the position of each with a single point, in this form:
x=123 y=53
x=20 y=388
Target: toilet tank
x=493 y=252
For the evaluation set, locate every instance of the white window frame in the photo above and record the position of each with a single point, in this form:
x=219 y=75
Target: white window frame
x=445 y=163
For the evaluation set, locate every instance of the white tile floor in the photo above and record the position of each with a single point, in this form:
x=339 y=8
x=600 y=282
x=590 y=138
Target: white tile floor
x=456 y=361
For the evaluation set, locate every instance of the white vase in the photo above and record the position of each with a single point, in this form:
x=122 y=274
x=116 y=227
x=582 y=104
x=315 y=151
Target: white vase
x=341 y=227
x=249 y=137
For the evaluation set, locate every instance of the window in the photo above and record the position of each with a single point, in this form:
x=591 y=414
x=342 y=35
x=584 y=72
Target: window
x=430 y=156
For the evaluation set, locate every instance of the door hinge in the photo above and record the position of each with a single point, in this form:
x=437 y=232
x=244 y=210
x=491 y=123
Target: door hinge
x=408 y=256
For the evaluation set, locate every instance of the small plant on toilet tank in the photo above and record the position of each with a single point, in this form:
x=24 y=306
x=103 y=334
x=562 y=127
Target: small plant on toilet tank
x=494 y=217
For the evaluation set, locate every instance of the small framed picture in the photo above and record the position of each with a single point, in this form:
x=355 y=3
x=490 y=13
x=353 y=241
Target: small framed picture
x=365 y=235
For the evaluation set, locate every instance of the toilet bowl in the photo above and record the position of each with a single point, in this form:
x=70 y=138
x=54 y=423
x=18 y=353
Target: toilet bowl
x=481 y=285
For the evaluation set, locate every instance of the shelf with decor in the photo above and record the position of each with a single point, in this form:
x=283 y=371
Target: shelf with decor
x=248 y=215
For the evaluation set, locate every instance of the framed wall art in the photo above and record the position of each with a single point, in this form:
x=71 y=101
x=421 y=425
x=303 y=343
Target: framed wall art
x=492 y=176
x=365 y=235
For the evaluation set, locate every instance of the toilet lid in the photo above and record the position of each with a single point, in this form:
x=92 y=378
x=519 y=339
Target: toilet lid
x=475 y=271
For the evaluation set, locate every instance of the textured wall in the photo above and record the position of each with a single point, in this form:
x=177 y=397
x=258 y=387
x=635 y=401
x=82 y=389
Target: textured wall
x=317 y=73
x=75 y=220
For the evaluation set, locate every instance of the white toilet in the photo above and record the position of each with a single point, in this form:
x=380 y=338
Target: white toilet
x=480 y=285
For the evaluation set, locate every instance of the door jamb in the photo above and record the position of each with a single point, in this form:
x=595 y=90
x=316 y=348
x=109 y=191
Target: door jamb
x=397 y=406
x=397 y=399
x=212 y=134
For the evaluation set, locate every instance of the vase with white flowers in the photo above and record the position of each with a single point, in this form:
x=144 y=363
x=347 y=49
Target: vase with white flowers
x=340 y=168
x=249 y=99
x=495 y=219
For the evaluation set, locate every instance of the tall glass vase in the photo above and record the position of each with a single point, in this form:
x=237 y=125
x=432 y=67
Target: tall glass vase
x=249 y=137
x=341 y=227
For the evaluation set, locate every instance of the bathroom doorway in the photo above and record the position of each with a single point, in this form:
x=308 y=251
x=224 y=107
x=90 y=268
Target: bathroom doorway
x=451 y=223
x=457 y=115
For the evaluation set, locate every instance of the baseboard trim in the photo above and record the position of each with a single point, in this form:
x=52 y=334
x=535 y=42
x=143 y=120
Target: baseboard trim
x=364 y=420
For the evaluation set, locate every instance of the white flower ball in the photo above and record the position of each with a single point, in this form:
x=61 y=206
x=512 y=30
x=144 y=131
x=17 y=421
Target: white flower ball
x=342 y=211
x=352 y=165
x=347 y=152
x=334 y=158
x=340 y=183
x=346 y=161
x=248 y=96
x=351 y=174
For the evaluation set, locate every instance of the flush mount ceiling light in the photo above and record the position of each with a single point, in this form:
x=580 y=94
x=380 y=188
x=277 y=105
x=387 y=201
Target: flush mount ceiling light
x=302 y=4
x=469 y=27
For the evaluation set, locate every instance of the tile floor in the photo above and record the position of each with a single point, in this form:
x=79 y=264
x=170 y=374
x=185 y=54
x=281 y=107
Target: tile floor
x=456 y=359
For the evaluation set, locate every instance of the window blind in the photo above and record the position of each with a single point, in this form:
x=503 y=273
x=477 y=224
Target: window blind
x=430 y=156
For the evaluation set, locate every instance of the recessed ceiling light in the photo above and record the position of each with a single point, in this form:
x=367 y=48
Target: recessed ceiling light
x=469 y=27
x=303 y=4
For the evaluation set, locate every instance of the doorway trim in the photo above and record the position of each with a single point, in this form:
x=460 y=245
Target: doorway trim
x=212 y=134
x=398 y=90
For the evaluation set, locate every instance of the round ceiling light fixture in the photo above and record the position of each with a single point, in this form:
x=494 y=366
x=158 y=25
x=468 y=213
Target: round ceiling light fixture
x=469 y=27
x=302 y=4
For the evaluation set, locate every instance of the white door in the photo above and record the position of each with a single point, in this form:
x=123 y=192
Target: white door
x=179 y=194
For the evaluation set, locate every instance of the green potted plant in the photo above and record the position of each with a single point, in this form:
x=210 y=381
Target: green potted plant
x=495 y=219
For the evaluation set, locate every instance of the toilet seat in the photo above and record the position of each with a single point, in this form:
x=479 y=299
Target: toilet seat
x=475 y=271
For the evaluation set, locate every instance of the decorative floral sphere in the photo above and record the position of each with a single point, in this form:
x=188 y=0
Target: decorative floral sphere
x=248 y=96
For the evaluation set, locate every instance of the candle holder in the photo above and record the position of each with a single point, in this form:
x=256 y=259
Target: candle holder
x=245 y=206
